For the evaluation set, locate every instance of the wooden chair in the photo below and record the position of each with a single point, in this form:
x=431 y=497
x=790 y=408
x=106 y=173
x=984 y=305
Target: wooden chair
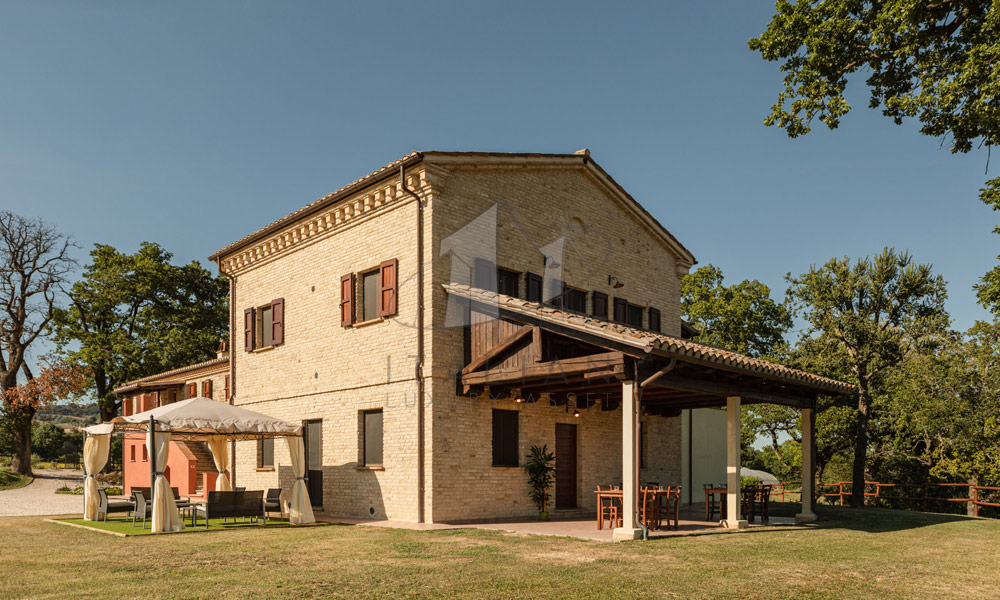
x=650 y=508
x=761 y=499
x=748 y=503
x=712 y=504
x=672 y=506
x=608 y=510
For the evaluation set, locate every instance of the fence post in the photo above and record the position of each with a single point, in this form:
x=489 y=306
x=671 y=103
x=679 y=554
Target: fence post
x=975 y=500
x=840 y=485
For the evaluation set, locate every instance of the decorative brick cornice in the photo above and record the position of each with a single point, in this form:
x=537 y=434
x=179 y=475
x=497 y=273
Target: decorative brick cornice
x=370 y=202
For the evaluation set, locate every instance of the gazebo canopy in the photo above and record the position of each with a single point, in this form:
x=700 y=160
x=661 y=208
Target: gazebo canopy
x=200 y=418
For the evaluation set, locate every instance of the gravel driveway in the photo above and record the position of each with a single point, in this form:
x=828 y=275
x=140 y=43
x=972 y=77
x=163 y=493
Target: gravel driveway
x=40 y=498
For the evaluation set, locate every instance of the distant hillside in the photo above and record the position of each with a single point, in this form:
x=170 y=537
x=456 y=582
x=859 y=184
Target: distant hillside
x=70 y=415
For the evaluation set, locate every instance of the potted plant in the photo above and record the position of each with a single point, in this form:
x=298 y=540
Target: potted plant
x=540 y=477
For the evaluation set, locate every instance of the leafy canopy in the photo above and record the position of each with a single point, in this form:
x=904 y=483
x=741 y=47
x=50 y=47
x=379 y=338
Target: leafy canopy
x=741 y=317
x=134 y=315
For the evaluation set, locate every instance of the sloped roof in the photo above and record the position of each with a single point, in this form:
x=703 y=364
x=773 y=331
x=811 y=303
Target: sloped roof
x=169 y=377
x=391 y=169
x=651 y=342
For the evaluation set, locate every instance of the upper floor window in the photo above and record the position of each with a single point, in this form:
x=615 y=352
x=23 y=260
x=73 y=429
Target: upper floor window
x=575 y=300
x=264 y=326
x=206 y=388
x=507 y=282
x=628 y=314
x=378 y=289
x=654 y=319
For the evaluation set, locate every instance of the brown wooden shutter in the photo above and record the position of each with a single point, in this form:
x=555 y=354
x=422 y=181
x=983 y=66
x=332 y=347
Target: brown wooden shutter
x=621 y=310
x=654 y=319
x=600 y=305
x=227 y=388
x=248 y=329
x=388 y=280
x=277 y=321
x=347 y=300
x=533 y=284
x=206 y=388
x=192 y=390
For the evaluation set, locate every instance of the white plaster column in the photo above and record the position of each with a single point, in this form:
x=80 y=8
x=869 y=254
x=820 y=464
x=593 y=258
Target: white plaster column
x=733 y=520
x=808 y=446
x=630 y=476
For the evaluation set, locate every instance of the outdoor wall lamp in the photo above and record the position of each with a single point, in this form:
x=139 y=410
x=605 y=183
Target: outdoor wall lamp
x=516 y=396
x=571 y=397
x=614 y=282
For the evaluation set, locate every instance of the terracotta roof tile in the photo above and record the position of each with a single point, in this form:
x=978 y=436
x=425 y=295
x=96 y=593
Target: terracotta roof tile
x=652 y=342
x=164 y=376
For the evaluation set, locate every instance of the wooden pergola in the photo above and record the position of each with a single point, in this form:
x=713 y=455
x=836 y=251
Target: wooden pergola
x=530 y=351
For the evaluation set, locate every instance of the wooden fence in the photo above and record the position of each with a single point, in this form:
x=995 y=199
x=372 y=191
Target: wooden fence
x=915 y=496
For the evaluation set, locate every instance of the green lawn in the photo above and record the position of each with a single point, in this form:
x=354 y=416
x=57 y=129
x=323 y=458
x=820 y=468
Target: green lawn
x=118 y=524
x=849 y=554
x=10 y=480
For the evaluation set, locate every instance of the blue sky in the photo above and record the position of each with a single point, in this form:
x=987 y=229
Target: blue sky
x=192 y=124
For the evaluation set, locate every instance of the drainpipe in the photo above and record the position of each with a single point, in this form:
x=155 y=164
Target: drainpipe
x=232 y=364
x=420 y=343
x=638 y=427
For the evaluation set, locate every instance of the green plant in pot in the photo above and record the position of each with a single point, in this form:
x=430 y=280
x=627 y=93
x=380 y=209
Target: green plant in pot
x=541 y=473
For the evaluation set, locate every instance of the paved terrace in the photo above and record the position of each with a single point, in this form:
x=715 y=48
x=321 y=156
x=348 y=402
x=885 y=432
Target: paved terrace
x=576 y=525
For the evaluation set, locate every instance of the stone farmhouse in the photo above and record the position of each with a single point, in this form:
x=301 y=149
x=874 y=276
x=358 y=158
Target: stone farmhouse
x=434 y=319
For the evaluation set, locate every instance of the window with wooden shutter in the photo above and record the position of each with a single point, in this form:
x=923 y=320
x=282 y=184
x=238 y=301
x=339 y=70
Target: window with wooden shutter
x=575 y=300
x=600 y=305
x=621 y=310
x=533 y=285
x=484 y=274
x=347 y=300
x=277 y=322
x=388 y=287
x=654 y=319
x=206 y=388
x=505 y=438
x=634 y=317
x=249 y=325
x=192 y=390
x=507 y=282
x=227 y=388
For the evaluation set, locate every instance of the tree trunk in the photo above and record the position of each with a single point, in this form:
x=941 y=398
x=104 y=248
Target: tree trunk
x=106 y=401
x=860 y=450
x=22 y=441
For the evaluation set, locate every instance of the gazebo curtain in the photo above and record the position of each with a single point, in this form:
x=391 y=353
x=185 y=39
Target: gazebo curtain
x=95 y=456
x=299 y=509
x=166 y=517
x=219 y=446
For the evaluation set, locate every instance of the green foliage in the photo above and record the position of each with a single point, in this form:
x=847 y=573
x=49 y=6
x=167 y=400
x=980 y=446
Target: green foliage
x=741 y=317
x=876 y=312
x=541 y=474
x=933 y=61
x=133 y=315
x=749 y=481
x=945 y=407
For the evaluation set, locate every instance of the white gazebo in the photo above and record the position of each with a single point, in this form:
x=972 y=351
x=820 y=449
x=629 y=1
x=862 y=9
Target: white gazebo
x=199 y=419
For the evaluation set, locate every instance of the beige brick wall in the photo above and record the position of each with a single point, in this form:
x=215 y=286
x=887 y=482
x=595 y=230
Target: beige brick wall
x=535 y=206
x=324 y=371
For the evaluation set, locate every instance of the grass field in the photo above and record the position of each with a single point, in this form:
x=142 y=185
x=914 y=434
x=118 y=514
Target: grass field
x=118 y=524
x=10 y=480
x=848 y=554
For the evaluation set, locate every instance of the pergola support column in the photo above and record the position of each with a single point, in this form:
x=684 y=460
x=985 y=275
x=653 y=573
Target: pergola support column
x=732 y=520
x=808 y=449
x=630 y=474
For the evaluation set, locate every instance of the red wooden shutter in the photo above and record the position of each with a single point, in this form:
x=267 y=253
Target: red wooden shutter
x=277 y=321
x=533 y=284
x=347 y=300
x=600 y=309
x=227 y=388
x=388 y=280
x=206 y=388
x=621 y=310
x=192 y=390
x=654 y=319
x=248 y=329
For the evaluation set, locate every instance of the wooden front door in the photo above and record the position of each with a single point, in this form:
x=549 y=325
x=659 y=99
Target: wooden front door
x=565 y=466
x=313 y=431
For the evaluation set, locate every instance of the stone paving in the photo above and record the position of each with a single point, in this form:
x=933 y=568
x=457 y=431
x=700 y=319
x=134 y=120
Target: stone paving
x=40 y=498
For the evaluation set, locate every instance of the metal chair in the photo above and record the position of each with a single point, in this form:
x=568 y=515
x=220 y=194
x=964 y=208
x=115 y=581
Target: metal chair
x=143 y=507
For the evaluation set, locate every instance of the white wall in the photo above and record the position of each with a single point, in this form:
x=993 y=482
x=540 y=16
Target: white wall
x=703 y=451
